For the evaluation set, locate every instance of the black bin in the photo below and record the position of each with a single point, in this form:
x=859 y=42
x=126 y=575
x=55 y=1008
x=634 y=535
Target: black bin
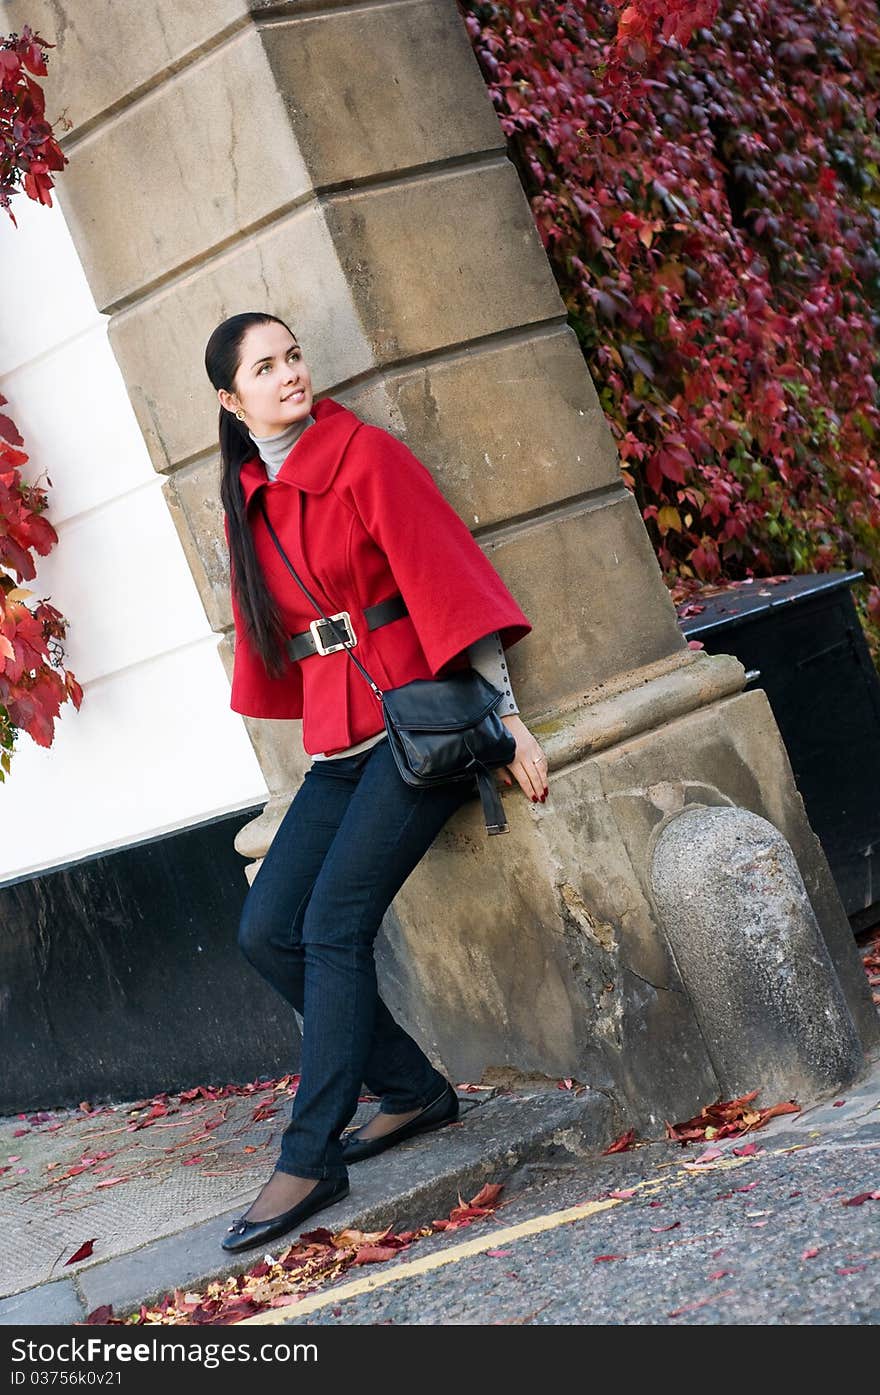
x=801 y=638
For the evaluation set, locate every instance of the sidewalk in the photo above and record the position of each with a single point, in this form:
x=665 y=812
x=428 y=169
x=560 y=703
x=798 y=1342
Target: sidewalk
x=142 y=1192
x=149 y=1187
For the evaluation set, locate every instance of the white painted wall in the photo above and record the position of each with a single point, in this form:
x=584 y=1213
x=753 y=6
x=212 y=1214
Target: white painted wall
x=155 y=745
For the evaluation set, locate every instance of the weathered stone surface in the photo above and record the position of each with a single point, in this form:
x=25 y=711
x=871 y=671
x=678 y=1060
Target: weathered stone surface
x=381 y=88
x=55 y=1304
x=544 y=441
x=570 y=967
x=193 y=498
x=365 y=300
x=737 y=917
x=106 y=55
x=637 y=701
x=190 y=197
x=452 y=281
x=257 y=158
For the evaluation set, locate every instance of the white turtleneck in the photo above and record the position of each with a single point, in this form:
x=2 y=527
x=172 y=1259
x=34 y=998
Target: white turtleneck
x=274 y=450
x=486 y=655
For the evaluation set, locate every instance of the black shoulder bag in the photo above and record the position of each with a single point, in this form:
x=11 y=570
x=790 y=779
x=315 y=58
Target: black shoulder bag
x=439 y=729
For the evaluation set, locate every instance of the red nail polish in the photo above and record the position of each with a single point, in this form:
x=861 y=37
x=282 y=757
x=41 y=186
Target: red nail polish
x=534 y=799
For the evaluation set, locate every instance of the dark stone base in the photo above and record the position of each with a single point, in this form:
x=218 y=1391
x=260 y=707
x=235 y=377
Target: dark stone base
x=121 y=977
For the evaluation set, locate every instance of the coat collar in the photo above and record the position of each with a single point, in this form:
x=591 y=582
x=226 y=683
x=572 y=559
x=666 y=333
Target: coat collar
x=315 y=457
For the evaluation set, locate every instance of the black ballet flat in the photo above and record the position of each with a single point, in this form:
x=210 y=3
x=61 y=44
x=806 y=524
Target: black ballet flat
x=243 y=1235
x=442 y=1110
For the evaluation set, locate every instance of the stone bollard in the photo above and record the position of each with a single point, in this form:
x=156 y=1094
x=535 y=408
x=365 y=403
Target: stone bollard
x=739 y=923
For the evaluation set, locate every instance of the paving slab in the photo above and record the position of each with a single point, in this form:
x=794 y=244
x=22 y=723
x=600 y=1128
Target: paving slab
x=154 y=1191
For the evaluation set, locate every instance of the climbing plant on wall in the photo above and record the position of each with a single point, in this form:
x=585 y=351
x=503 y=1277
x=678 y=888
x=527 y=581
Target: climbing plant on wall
x=706 y=182
x=33 y=680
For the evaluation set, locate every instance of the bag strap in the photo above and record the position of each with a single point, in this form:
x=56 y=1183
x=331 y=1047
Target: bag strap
x=341 y=637
x=490 y=795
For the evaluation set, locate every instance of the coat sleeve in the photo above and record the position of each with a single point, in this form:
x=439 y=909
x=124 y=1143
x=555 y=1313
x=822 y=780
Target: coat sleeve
x=453 y=593
x=254 y=693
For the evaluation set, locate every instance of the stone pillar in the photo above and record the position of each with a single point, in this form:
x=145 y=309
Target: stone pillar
x=743 y=934
x=344 y=168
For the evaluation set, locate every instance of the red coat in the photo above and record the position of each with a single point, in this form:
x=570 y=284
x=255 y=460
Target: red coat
x=361 y=519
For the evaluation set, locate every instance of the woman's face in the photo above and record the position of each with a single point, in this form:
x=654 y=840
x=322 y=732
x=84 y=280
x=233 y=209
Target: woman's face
x=272 y=386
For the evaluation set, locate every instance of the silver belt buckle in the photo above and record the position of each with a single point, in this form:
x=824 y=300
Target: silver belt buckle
x=323 y=648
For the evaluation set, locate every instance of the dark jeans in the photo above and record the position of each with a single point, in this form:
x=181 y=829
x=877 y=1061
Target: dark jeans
x=352 y=835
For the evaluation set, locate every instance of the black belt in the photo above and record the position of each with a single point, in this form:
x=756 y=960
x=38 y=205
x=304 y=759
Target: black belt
x=334 y=637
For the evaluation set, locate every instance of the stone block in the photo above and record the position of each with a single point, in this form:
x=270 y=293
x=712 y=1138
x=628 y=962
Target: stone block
x=253 y=159
x=435 y=262
x=544 y=441
x=377 y=89
x=588 y=580
x=124 y=49
x=48 y=1305
x=358 y=299
x=193 y=165
x=193 y=498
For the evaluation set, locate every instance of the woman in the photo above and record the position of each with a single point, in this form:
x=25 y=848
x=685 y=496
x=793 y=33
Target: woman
x=372 y=537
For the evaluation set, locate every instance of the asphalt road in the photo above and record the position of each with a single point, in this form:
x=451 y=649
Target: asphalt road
x=762 y=1239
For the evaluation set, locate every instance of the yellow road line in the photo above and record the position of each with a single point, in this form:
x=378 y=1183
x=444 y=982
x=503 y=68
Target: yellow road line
x=428 y=1262
x=313 y=1302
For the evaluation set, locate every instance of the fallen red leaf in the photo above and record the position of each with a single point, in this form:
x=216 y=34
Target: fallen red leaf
x=861 y=1199
x=100 y=1316
x=621 y=1144
x=83 y=1252
x=710 y=1155
x=375 y=1254
x=658 y=1229
x=598 y=1259
x=488 y=1194
x=810 y=1254
x=727 y=1119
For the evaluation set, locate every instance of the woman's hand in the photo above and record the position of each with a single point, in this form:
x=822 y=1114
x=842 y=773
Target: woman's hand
x=529 y=764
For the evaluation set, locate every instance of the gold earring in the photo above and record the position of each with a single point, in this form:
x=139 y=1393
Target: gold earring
x=240 y=414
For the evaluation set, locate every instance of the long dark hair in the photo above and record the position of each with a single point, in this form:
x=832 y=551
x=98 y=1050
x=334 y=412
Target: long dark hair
x=259 y=610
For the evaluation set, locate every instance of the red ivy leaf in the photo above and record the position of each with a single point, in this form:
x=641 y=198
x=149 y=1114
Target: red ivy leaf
x=83 y=1252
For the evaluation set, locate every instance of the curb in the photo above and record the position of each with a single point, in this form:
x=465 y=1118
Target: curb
x=405 y=1187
